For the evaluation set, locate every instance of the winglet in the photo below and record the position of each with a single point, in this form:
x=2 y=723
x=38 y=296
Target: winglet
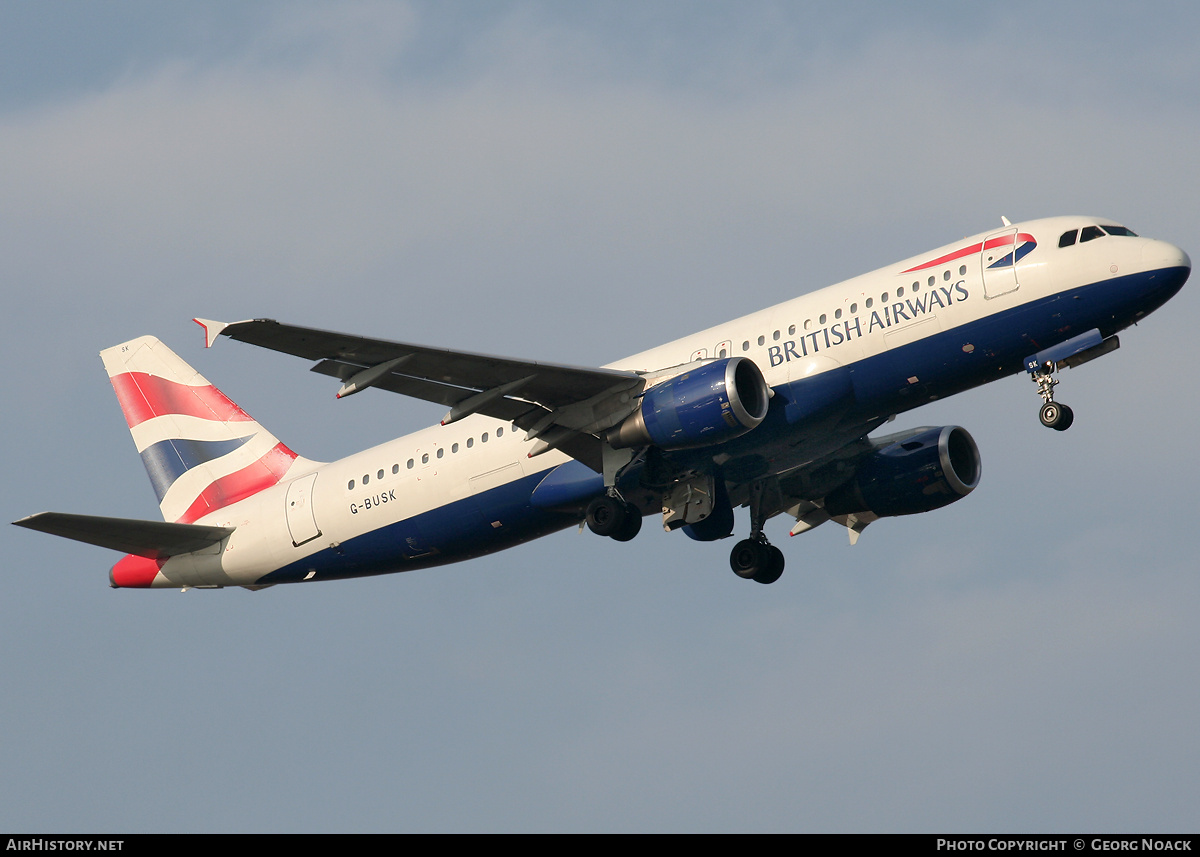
x=212 y=329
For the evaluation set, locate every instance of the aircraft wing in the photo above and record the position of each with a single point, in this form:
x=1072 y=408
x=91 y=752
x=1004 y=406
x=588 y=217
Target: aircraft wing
x=562 y=406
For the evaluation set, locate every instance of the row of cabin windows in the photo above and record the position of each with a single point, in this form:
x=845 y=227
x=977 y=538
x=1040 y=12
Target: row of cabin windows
x=1091 y=233
x=412 y=462
x=837 y=313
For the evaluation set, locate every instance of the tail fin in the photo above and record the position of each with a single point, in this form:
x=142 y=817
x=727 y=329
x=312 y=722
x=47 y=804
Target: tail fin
x=202 y=451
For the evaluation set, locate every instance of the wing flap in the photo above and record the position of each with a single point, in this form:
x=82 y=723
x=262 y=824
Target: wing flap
x=151 y=539
x=503 y=408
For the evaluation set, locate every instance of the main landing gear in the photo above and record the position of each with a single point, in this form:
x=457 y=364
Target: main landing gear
x=1053 y=414
x=751 y=559
x=755 y=558
x=611 y=516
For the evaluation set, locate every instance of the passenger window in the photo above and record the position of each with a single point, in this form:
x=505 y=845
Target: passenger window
x=1068 y=238
x=483 y=438
x=900 y=292
x=932 y=280
x=853 y=309
x=440 y=452
x=869 y=303
x=946 y=275
x=746 y=345
x=425 y=458
x=762 y=340
x=410 y=464
x=350 y=485
x=821 y=320
x=791 y=330
x=883 y=297
x=366 y=478
x=962 y=270
x=775 y=336
x=454 y=448
x=837 y=313
x=470 y=442
x=395 y=469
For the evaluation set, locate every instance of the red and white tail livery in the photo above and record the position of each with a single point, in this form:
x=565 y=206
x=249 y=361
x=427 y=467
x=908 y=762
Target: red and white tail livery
x=201 y=451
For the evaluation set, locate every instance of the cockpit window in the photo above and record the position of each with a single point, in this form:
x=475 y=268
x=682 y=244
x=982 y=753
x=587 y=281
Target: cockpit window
x=1119 y=230
x=1090 y=232
x=1068 y=238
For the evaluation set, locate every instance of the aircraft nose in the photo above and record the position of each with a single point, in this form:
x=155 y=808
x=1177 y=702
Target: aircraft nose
x=1160 y=254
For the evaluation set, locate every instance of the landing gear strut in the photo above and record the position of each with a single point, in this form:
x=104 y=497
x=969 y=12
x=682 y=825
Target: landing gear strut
x=755 y=558
x=1053 y=414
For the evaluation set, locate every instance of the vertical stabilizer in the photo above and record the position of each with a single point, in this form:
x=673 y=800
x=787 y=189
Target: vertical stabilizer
x=202 y=451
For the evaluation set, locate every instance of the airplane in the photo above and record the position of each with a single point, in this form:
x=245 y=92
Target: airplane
x=773 y=410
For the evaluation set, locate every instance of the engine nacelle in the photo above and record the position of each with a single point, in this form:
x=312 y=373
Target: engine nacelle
x=719 y=401
x=927 y=470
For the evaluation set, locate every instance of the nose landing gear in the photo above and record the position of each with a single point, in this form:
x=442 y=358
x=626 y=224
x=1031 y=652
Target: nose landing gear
x=1052 y=414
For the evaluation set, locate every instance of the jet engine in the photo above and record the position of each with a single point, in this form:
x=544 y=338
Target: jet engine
x=929 y=469
x=714 y=403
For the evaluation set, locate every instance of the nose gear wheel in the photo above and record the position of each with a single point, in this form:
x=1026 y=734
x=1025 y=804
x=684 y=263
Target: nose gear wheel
x=1052 y=414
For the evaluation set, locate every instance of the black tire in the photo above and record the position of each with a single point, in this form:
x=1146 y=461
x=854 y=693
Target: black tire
x=605 y=515
x=748 y=558
x=630 y=527
x=1056 y=416
x=774 y=569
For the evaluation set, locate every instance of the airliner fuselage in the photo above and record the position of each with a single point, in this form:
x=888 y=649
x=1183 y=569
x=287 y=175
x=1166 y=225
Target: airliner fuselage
x=770 y=410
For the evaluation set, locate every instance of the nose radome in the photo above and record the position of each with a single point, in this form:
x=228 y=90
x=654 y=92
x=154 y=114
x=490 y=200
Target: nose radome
x=1160 y=254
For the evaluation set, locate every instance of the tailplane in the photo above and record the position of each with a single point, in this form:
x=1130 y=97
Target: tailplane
x=201 y=451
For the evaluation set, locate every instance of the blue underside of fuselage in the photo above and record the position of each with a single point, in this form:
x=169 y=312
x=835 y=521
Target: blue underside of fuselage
x=943 y=364
x=456 y=531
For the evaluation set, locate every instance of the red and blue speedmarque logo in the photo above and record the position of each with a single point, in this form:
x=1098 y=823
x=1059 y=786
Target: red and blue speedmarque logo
x=1022 y=243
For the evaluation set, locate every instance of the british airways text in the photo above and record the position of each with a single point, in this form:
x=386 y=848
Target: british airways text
x=886 y=316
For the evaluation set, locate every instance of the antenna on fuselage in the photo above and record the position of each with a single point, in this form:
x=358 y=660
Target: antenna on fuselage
x=1004 y=220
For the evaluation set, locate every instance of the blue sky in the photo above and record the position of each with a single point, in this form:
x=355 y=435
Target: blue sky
x=574 y=184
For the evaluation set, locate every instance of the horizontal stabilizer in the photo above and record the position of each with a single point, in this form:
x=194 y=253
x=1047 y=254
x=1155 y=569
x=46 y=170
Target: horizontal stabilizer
x=151 y=539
